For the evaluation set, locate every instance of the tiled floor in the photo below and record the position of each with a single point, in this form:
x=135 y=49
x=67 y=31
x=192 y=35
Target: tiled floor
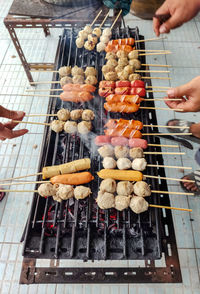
x=19 y=156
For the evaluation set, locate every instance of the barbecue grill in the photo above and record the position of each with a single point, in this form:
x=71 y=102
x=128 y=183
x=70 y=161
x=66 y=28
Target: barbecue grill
x=78 y=229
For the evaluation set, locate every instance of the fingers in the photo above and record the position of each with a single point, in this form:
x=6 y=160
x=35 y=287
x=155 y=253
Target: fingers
x=156 y=23
x=184 y=105
x=173 y=22
x=156 y=26
x=11 y=114
x=180 y=91
x=6 y=133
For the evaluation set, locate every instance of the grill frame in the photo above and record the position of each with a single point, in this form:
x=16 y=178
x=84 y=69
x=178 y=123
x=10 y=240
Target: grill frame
x=80 y=276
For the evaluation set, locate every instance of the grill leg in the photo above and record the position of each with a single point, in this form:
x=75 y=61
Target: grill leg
x=20 y=52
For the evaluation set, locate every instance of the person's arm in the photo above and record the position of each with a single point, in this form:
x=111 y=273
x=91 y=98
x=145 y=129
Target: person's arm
x=190 y=94
x=6 y=129
x=181 y=11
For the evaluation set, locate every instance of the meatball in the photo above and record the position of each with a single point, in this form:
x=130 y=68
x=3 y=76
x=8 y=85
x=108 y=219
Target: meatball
x=101 y=47
x=89 y=45
x=142 y=189
x=108 y=185
x=92 y=38
x=123 y=75
x=87 y=29
x=112 y=62
x=88 y=115
x=91 y=80
x=111 y=76
x=135 y=63
x=138 y=204
x=107 y=32
x=105 y=200
x=83 y=35
x=65 y=80
x=63 y=114
x=122 y=54
x=76 y=114
x=119 y=68
x=84 y=127
x=46 y=190
x=124 y=188
x=121 y=151
x=64 y=71
x=139 y=164
x=81 y=192
x=77 y=71
x=106 y=151
x=78 y=79
x=123 y=163
x=107 y=68
x=122 y=202
x=109 y=162
x=65 y=191
x=57 y=126
x=105 y=39
x=97 y=32
x=111 y=55
x=134 y=77
x=133 y=54
x=90 y=71
x=123 y=61
x=129 y=69
x=136 y=152
x=80 y=42
x=70 y=127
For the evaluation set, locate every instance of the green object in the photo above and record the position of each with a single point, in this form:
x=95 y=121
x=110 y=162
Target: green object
x=114 y=4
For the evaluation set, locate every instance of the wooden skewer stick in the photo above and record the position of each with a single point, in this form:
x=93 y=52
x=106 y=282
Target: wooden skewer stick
x=157 y=87
x=164 y=134
x=163 y=145
x=60 y=89
x=116 y=19
x=156 y=91
x=161 y=108
x=170 y=207
x=33 y=115
x=96 y=18
x=148 y=40
x=21 y=191
x=45 y=82
x=159 y=71
x=31 y=122
x=173 y=193
x=24 y=183
x=104 y=20
x=158 y=53
x=169 y=166
x=170 y=179
x=152 y=50
x=160 y=126
x=167 y=153
x=21 y=177
x=158 y=65
x=155 y=78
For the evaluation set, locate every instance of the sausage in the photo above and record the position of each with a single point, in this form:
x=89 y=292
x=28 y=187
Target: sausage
x=123 y=98
x=102 y=140
x=121 y=107
x=73 y=179
x=126 y=41
x=119 y=141
x=115 y=48
x=138 y=91
x=138 y=143
x=105 y=84
x=137 y=84
x=75 y=96
x=120 y=84
x=79 y=87
x=104 y=92
x=122 y=90
x=123 y=123
x=125 y=132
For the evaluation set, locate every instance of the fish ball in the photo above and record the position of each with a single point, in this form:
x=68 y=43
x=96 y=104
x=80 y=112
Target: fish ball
x=142 y=189
x=108 y=185
x=124 y=188
x=109 y=162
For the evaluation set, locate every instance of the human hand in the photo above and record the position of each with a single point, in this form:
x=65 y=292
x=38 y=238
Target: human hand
x=6 y=129
x=191 y=91
x=181 y=11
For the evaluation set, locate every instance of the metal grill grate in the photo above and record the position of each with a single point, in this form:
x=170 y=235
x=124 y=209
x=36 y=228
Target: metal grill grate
x=79 y=229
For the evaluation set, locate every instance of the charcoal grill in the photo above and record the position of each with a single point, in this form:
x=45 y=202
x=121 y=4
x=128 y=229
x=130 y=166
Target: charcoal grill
x=78 y=229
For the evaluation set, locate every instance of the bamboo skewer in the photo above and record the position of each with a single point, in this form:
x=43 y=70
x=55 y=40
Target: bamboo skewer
x=148 y=40
x=156 y=91
x=157 y=65
x=170 y=179
x=21 y=177
x=159 y=71
x=104 y=20
x=161 y=108
x=156 y=78
x=152 y=50
x=60 y=89
x=169 y=166
x=170 y=207
x=116 y=19
x=158 y=53
x=157 y=87
x=173 y=193
x=164 y=134
x=96 y=18
x=163 y=145
x=166 y=153
x=31 y=122
x=160 y=126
